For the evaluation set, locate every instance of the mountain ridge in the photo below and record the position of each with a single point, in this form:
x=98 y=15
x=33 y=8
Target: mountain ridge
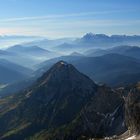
x=48 y=94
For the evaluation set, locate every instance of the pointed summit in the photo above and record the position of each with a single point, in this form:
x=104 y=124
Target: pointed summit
x=66 y=75
x=94 y=37
x=61 y=63
x=88 y=36
x=51 y=102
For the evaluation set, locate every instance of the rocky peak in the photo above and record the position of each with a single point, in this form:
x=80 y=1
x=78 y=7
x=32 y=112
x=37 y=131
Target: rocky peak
x=54 y=100
x=91 y=36
x=132 y=107
x=64 y=74
x=88 y=36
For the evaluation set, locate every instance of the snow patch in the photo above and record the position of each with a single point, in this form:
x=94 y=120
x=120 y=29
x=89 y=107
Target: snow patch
x=131 y=138
x=112 y=114
x=63 y=63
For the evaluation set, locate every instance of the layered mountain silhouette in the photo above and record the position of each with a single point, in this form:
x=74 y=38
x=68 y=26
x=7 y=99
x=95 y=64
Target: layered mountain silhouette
x=98 y=41
x=11 y=72
x=116 y=68
x=27 y=56
x=28 y=50
x=107 y=69
x=10 y=40
x=86 y=42
x=131 y=51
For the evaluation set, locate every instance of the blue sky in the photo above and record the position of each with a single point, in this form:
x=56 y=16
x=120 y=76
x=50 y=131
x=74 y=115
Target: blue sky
x=69 y=18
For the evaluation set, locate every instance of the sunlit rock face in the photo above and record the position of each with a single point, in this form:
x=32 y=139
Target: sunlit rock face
x=132 y=107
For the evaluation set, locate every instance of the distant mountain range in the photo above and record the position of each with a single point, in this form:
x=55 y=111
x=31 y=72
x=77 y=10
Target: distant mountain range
x=10 y=40
x=69 y=45
x=31 y=51
x=49 y=43
x=64 y=104
x=27 y=56
x=132 y=51
x=88 y=41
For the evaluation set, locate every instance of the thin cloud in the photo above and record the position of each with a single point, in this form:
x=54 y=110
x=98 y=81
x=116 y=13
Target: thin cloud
x=58 y=16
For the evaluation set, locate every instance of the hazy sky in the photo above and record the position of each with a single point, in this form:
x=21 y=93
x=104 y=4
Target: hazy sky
x=63 y=18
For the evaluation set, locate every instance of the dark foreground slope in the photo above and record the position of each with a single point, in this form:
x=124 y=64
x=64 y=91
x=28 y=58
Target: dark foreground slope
x=102 y=116
x=63 y=104
x=54 y=100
